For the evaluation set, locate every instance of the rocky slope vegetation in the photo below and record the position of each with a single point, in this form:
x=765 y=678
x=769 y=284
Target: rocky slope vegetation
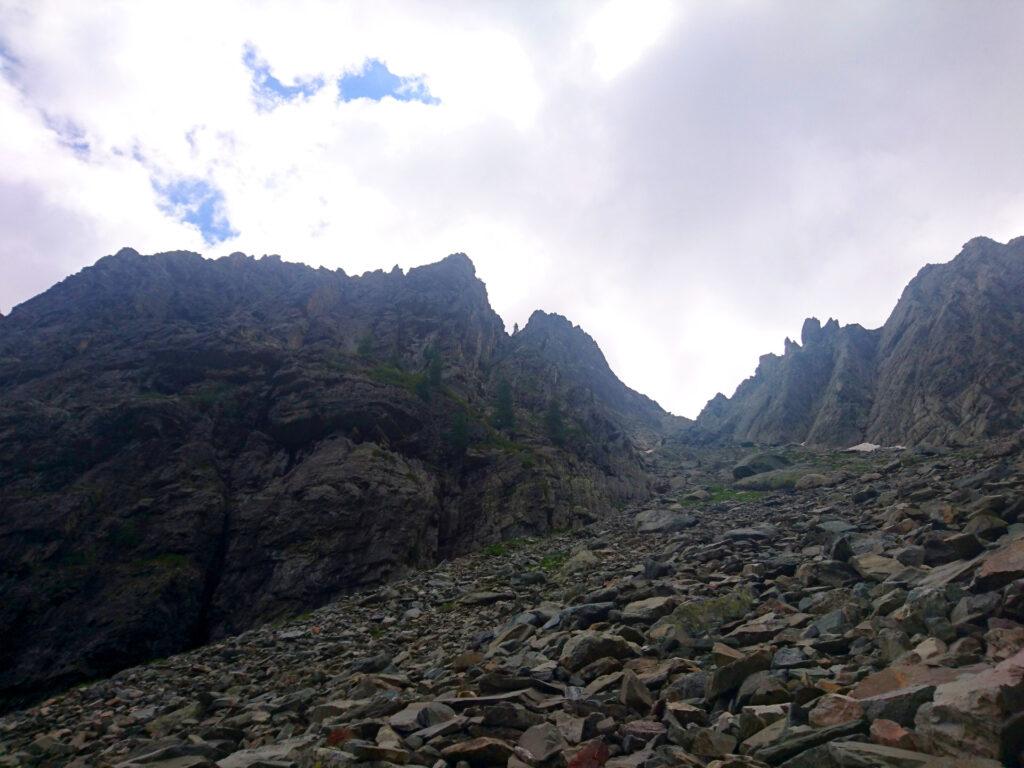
x=947 y=366
x=875 y=620
x=191 y=447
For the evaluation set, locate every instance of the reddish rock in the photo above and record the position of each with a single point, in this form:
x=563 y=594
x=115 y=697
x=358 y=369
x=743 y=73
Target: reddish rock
x=643 y=730
x=835 y=709
x=966 y=716
x=894 y=678
x=593 y=755
x=1004 y=565
x=892 y=734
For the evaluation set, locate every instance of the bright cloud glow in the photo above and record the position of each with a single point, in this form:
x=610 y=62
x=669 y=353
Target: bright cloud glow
x=686 y=180
x=621 y=31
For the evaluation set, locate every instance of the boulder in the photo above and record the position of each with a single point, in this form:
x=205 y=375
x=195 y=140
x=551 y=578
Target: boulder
x=586 y=647
x=757 y=463
x=966 y=715
x=833 y=709
x=1001 y=567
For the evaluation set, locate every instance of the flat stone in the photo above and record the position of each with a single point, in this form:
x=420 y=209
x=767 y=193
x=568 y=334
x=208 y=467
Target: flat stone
x=875 y=567
x=750 y=534
x=482 y=751
x=889 y=733
x=421 y=715
x=899 y=705
x=801 y=742
x=185 y=761
x=896 y=677
x=542 y=741
x=855 y=754
x=1001 y=567
x=649 y=610
x=966 y=715
x=833 y=709
x=245 y=758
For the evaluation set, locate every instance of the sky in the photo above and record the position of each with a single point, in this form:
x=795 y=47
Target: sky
x=687 y=181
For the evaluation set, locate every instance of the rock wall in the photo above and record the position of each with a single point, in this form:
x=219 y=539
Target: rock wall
x=947 y=366
x=190 y=447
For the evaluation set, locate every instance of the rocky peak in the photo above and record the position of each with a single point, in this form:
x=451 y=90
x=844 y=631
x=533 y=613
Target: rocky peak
x=811 y=331
x=569 y=358
x=948 y=365
x=191 y=446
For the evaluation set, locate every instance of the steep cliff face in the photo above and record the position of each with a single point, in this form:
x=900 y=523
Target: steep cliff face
x=952 y=352
x=188 y=447
x=818 y=391
x=947 y=366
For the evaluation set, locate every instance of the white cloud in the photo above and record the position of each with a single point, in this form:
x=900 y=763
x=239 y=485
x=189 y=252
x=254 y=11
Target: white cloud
x=687 y=181
x=620 y=31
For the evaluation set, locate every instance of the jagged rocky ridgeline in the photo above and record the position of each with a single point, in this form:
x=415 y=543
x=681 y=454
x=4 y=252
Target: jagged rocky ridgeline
x=189 y=447
x=947 y=366
x=877 y=622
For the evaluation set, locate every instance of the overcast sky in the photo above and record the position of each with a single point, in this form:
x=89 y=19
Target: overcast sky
x=686 y=181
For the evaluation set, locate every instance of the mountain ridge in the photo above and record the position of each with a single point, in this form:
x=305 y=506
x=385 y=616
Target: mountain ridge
x=191 y=446
x=943 y=368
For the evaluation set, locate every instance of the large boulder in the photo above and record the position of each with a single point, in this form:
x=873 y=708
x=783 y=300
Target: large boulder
x=1001 y=567
x=756 y=463
x=583 y=648
x=967 y=716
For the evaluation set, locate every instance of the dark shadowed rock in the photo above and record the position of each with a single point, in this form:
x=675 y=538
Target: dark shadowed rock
x=189 y=447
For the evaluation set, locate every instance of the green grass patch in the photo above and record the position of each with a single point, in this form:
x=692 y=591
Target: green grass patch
x=553 y=561
x=720 y=493
x=390 y=374
x=503 y=548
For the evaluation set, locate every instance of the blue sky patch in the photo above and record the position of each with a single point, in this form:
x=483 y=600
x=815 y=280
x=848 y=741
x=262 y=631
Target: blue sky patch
x=267 y=90
x=198 y=203
x=71 y=134
x=7 y=59
x=375 y=81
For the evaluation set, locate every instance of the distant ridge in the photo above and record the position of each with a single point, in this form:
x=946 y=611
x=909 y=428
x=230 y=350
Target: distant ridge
x=947 y=366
